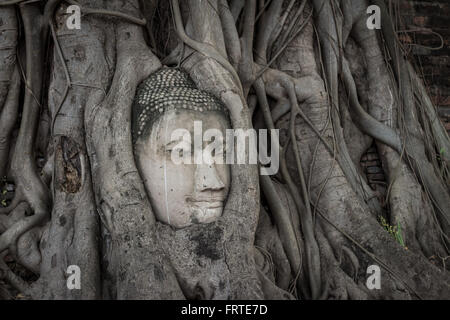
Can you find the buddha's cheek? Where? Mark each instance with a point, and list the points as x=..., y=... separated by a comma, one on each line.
x=177, y=185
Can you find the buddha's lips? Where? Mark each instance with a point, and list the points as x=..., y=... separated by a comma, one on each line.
x=209, y=203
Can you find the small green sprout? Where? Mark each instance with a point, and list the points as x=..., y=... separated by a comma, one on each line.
x=395, y=231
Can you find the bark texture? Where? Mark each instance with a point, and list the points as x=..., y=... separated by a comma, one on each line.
x=310, y=68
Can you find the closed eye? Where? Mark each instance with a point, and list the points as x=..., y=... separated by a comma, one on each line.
x=180, y=144
x=179, y=147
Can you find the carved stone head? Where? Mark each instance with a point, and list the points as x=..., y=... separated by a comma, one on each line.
x=189, y=192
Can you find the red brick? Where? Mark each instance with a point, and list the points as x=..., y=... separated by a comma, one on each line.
x=371, y=163
x=372, y=156
x=420, y=21
x=447, y=126
x=376, y=177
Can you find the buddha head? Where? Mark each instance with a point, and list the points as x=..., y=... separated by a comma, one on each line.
x=187, y=192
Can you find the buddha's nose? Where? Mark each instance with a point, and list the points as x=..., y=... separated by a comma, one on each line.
x=207, y=178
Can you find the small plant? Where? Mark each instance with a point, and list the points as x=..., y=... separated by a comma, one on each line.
x=395, y=231
x=4, y=191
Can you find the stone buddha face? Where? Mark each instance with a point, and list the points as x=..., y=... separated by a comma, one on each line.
x=184, y=193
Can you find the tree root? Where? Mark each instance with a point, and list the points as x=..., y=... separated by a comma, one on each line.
x=126, y=17
x=10, y=277
x=203, y=48
x=250, y=61
x=29, y=186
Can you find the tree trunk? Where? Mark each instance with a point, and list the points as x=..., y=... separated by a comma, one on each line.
x=311, y=69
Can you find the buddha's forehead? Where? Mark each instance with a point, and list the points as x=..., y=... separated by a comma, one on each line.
x=186, y=118
x=189, y=120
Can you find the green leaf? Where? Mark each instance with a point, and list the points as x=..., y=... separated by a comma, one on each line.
x=399, y=235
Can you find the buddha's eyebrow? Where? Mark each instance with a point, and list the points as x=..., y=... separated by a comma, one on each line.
x=171, y=143
x=216, y=138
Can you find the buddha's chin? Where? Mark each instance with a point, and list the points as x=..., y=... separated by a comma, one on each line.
x=199, y=213
x=206, y=213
